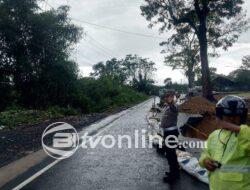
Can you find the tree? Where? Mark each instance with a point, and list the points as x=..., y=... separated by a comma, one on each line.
x=133, y=70
x=183, y=53
x=99, y=70
x=138, y=68
x=35, y=49
x=112, y=68
x=168, y=82
x=219, y=21
x=246, y=63
x=242, y=79
x=139, y=72
x=213, y=74
x=36, y=71
x=242, y=75
x=53, y=38
x=15, y=35
x=130, y=63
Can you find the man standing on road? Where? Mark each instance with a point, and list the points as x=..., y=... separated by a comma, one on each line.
x=227, y=155
x=170, y=129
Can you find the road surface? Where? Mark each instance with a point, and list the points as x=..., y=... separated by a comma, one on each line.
x=115, y=168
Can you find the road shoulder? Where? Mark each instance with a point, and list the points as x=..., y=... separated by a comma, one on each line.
x=19, y=167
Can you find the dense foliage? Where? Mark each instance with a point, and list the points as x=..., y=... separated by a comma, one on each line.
x=241, y=76
x=237, y=80
x=34, y=61
x=132, y=70
x=96, y=95
x=36, y=71
x=215, y=24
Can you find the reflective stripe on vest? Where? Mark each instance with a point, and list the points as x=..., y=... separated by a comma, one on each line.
x=235, y=168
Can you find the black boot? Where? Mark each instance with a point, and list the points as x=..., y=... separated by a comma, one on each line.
x=171, y=177
x=167, y=173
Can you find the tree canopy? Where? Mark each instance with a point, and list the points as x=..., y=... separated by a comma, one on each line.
x=246, y=62
x=183, y=53
x=241, y=76
x=35, y=54
x=215, y=23
x=133, y=70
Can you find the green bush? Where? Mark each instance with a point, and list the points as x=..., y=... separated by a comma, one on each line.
x=103, y=93
x=14, y=117
x=56, y=111
x=91, y=95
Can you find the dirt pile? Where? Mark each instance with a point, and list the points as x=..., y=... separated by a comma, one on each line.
x=202, y=129
x=197, y=105
x=200, y=105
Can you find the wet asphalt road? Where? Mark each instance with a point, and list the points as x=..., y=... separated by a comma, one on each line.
x=115, y=168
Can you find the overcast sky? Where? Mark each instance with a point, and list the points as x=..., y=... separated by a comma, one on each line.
x=101, y=44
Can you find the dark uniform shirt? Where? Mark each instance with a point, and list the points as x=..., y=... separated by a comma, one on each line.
x=169, y=118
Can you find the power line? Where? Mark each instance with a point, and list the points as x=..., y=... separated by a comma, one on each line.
x=111, y=28
x=118, y=30
x=98, y=49
x=96, y=44
x=228, y=66
x=47, y=3
x=232, y=66
x=111, y=52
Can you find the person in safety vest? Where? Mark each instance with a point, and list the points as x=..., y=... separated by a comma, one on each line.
x=227, y=154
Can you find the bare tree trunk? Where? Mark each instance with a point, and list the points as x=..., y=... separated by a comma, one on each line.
x=206, y=82
x=190, y=76
x=190, y=72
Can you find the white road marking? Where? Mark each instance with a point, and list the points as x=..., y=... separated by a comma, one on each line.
x=36, y=175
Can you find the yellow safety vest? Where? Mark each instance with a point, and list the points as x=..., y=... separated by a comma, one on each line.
x=232, y=150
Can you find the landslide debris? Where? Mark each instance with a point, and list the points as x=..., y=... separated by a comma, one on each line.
x=200, y=105
x=197, y=105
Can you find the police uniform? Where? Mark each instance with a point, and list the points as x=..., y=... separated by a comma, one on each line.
x=169, y=126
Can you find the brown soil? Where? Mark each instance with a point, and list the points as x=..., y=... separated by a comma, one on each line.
x=197, y=105
x=203, y=129
x=200, y=105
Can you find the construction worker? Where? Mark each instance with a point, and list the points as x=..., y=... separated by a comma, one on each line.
x=227, y=155
x=170, y=129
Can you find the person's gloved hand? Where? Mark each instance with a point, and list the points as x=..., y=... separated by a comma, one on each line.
x=209, y=164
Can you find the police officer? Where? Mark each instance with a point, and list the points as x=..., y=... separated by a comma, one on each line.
x=169, y=126
x=227, y=155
